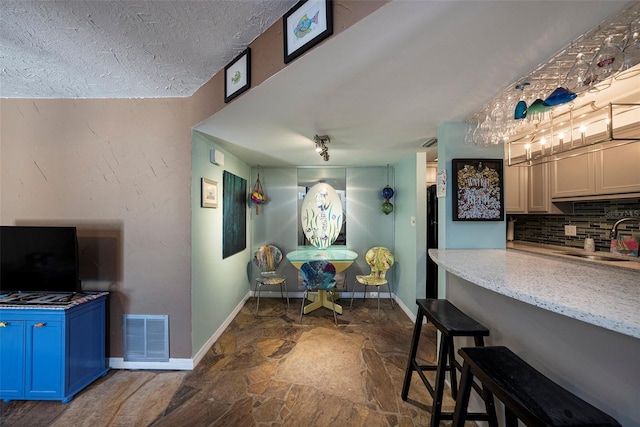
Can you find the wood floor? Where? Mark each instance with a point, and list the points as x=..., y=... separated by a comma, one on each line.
x=266, y=371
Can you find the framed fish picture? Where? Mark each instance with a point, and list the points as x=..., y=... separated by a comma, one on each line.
x=478, y=194
x=305, y=25
x=237, y=75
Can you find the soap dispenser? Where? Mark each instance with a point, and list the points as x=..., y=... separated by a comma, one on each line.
x=589, y=244
x=510, y=229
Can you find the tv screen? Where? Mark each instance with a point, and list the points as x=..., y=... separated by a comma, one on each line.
x=39, y=259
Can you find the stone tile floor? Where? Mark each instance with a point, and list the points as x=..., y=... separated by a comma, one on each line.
x=269, y=370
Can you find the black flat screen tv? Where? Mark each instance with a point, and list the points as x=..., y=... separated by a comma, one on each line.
x=43, y=259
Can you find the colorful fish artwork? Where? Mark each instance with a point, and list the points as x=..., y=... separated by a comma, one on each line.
x=321, y=215
x=236, y=77
x=304, y=25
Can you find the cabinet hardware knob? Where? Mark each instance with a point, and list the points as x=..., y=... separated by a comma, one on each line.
x=39, y=325
x=3, y=324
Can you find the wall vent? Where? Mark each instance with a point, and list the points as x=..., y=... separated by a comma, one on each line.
x=146, y=338
x=430, y=142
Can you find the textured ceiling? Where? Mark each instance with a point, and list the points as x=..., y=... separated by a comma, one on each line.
x=379, y=89
x=124, y=49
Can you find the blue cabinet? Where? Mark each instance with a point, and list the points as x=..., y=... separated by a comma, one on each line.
x=51, y=354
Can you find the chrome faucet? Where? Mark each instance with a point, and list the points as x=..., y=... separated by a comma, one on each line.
x=614, y=229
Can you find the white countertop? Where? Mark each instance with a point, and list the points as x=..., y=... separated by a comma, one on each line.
x=602, y=295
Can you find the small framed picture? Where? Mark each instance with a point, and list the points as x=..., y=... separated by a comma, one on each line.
x=209, y=193
x=441, y=183
x=237, y=75
x=477, y=190
x=305, y=25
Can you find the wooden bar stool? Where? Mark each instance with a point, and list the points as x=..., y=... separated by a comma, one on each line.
x=527, y=394
x=451, y=322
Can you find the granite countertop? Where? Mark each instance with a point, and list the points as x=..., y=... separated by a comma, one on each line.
x=75, y=299
x=601, y=295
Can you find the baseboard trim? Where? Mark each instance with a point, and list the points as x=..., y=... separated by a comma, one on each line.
x=404, y=308
x=212, y=340
x=180, y=364
x=171, y=365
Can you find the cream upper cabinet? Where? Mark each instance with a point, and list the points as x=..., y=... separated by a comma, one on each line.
x=539, y=189
x=617, y=170
x=613, y=171
x=515, y=188
x=539, y=200
x=573, y=176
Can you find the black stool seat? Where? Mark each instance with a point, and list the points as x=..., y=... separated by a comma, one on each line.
x=527, y=394
x=451, y=322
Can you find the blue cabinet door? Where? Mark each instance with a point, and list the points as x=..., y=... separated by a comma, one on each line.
x=12, y=357
x=45, y=345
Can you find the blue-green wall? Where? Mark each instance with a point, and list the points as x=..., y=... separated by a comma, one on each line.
x=217, y=285
x=461, y=234
x=464, y=234
x=411, y=240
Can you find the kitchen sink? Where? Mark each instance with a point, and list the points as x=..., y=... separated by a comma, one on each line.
x=593, y=257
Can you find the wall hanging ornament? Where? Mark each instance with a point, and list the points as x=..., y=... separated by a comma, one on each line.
x=387, y=193
x=257, y=195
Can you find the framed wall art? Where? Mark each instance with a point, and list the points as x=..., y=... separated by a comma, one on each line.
x=305, y=25
x=477, y=190
x=234, y=214
x=237, y=75
x=209, y=193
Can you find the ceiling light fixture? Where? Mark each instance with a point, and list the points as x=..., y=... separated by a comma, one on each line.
x=321, y=146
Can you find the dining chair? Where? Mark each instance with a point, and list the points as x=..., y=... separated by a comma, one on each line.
x=380, y=259
x=318, y=276
x=267, y=259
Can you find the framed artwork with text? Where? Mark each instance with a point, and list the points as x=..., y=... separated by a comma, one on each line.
x=477, y=190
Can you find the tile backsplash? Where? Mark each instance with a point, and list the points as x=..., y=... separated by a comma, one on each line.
x=592, y=219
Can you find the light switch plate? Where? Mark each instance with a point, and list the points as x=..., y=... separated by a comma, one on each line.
x=570, y=230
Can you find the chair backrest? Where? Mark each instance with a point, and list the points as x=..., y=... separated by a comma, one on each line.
x=380, y=259
x=318, y=274
x=267, y=258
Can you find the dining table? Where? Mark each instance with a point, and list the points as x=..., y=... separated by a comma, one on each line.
x=340, y=257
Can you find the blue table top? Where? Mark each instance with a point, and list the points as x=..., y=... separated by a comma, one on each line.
x=306, y=253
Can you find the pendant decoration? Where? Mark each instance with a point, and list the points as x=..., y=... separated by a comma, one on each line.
x=387, y=193
x=257, y=195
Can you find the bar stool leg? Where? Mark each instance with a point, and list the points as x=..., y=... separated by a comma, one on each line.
x=510, y=419
x=446, y=343
x=412, y=357
x=453, y=372
x=462, y=402
x=487, y=396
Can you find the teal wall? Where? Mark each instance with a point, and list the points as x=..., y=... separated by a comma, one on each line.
x=217, y=285
x=411, y=240
x=462, y=234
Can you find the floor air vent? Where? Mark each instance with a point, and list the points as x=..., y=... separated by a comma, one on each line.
x=146, y=338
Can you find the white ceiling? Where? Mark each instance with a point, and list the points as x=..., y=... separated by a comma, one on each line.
x=378, y=89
